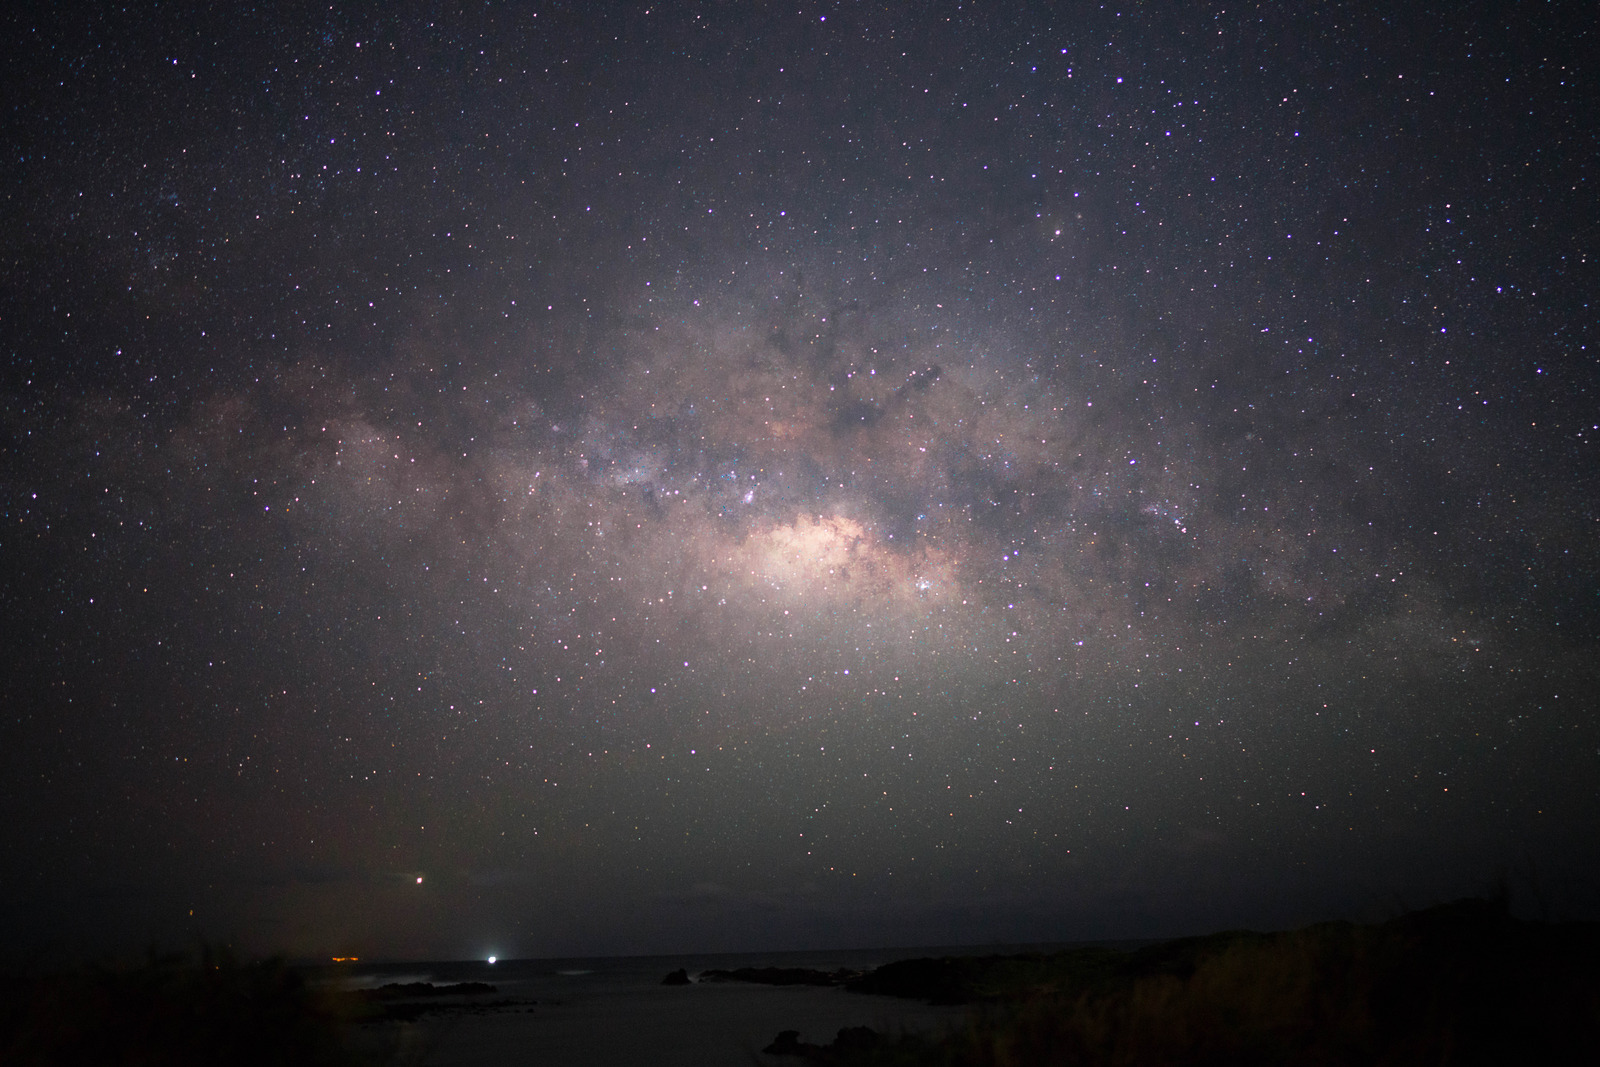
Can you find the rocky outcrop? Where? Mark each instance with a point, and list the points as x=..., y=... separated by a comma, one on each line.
x=850, y=1040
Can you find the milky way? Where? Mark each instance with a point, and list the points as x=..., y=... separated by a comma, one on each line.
x=834, y=497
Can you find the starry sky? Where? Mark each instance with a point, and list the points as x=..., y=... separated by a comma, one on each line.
x=611, y=478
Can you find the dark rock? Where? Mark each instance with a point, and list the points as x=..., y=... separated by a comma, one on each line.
x=788, y=1043
x=947, y=980
x=849, y=1041
x=677, y=977
x=856, y=1039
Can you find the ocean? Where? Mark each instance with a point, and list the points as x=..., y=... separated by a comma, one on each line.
x=615, y=1012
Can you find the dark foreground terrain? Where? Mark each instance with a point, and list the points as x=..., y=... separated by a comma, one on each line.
x=207, y=1008
x=1464, y=983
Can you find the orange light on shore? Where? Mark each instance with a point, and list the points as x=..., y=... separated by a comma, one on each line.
x=346, y=959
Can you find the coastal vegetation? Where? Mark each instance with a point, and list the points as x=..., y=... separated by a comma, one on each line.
x=1459, y=984
x=206, y=1007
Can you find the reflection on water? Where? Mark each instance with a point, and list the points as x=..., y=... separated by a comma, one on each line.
x=522, y=975
x=616, y=1011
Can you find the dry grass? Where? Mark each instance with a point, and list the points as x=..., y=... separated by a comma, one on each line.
x=207, y=1008
x=1458, y=985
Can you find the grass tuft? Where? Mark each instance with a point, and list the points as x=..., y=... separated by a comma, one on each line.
x=202, y=1008
x=1460, y=984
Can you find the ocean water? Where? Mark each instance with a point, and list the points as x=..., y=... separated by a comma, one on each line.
x=614, y=1012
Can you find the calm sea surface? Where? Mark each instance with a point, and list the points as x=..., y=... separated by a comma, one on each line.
x=614, y=1012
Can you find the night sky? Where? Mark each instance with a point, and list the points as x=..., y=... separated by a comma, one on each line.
x=592, y=478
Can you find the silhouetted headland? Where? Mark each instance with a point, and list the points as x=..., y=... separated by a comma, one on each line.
x=1462, y=983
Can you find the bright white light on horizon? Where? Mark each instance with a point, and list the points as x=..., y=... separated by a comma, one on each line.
x=492, y=958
